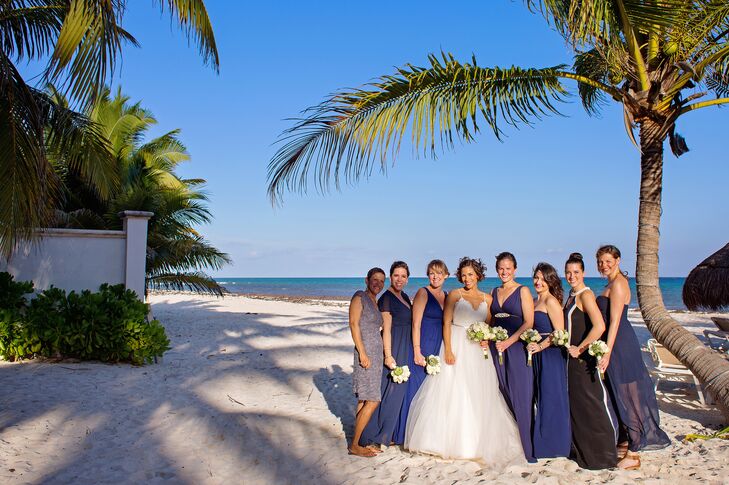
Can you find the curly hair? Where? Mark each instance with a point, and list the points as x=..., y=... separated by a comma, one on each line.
x=478, y=267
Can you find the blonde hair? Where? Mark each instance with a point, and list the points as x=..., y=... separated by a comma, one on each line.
x=439, y=266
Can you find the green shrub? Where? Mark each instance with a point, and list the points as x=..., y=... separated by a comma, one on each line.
x=109, y=325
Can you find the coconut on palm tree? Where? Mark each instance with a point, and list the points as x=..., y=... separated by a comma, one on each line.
x=78, y=44
x=660, y=59
x=176, y=253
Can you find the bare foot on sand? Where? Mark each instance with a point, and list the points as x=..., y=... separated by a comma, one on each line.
x=362, y=451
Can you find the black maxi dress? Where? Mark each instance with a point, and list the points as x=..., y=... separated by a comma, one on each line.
x=593, y=421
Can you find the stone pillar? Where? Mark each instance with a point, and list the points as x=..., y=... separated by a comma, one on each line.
x=135, y=228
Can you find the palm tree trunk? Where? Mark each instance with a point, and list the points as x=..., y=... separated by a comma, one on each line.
x=711, y=369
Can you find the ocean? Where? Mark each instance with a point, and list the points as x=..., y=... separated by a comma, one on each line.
x=345, y=287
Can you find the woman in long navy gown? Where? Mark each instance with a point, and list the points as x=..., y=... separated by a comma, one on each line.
x=551, y=434
x=387, y=425
x=593, y=421
x=427, y=327
x=512, y=308
x=629, y=382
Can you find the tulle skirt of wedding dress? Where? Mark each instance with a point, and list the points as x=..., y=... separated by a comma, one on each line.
x=460, y=413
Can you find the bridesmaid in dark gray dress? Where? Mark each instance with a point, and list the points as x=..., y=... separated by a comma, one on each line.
x=365, y=321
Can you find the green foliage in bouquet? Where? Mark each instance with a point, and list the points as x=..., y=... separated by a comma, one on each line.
x=109, y=325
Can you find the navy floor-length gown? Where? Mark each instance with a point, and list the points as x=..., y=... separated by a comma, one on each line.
x=552, y=434
x=431, y=338
x=631, y=387
x=516, y=378
x=387, y=424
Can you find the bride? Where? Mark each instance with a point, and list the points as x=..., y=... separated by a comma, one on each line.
x=461, y=413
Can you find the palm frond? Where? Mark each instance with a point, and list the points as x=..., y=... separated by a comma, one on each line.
x=183, y=252
x=30, y=188
x=87, y=47
x=28, y=29
x=718, y=78
x=77, y=142
x=590, y=22
x=349, y=134
x=194, y=21
x=197, y=282
x=593, y=65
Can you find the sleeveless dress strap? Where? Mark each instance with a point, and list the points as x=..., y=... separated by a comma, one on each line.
x=581, y=291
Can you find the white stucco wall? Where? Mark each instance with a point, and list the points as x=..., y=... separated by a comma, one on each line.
x=71, y=259
x=80, y=259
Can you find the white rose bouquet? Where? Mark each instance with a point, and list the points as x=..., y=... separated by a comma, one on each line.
x=561, y=338
x=500, y=334
x=478, y=332
x=400, y=374
x=597, y=349
x=432, y=365
x=530, y=336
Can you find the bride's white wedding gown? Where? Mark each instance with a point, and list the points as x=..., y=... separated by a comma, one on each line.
x=460, y=413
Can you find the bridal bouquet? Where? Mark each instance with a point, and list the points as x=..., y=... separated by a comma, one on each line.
x=530, y=336
x=500, y=334
x=561, y=338
x=400, y=374
x=597, y=349
x=432, y=365
x=478, y=332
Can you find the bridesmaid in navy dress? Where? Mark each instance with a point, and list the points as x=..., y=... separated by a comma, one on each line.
x=551, y=436
x=594, y=426
x=512, y=308
x=387, y=425
x=629, y=382
x=427, y=327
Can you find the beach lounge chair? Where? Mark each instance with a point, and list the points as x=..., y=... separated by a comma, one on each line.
x=722, y=323
x=720, y=340
x=669, y=368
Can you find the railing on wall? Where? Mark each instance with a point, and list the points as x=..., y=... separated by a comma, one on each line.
x=81, y=259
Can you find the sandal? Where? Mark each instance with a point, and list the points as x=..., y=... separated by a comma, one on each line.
x=630, y=462
x=622, y=450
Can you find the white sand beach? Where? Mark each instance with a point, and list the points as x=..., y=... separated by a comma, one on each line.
x=259, y=391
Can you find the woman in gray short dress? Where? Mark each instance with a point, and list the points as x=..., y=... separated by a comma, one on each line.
x=365, y=321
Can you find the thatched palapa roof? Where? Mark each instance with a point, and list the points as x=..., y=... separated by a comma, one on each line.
x=707, y=285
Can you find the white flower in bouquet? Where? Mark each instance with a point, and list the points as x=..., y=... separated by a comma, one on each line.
x=530, y=336
x=561, y=338
x=478, y=332
x=500, y=334
x=400, y=374
x=598, y=349
x=432, y=365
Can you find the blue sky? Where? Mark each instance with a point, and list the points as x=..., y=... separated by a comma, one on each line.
x=568, y=184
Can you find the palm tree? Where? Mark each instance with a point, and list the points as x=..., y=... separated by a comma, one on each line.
x=78, y=43
x=176, y=252
x=656, y=58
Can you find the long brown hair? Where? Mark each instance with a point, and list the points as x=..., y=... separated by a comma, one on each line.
x=554, y=283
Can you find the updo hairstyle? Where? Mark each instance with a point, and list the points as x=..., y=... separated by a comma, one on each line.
x=575, y=258
x=505, y=255
x=608, y=249
x=399, y=264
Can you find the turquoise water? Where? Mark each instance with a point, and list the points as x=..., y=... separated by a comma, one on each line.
x=345, y=287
